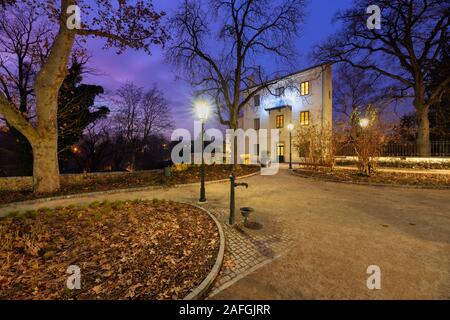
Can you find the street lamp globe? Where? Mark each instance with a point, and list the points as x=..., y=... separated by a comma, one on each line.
x=290, y=126
x=202, y=109
x=364, y=123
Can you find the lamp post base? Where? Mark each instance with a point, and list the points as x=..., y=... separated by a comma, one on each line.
x=202, y=202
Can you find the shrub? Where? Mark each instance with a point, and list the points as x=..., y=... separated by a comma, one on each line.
x=366, y=138
x=315, y=145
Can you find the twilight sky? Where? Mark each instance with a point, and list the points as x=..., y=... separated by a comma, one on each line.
x=112, y=70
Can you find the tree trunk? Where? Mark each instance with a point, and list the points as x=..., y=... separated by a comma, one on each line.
x=423, y=133
x=45, y=165
x=235, y=153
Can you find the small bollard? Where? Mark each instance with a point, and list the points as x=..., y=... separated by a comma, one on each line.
x=233, y=185
x=167, y=172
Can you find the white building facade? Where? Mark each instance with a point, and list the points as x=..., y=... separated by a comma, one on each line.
x=303, y=98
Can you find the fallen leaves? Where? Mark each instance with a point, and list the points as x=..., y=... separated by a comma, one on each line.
x=382, y=177
x=144, y=250
x=190, y=174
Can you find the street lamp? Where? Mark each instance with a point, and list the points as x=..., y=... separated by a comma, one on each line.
x=202, y=109
x=364, y=123
x=290, y=128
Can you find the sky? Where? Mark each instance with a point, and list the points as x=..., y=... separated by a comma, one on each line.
x=112, y=70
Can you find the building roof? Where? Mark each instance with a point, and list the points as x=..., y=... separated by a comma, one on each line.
x=278, y=107
x=288, y=75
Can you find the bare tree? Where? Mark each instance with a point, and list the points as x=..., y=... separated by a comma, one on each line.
x=411, y=38
x=129, y=122
x=122, y=24
x=355, y=88
x=23, y=42
x=155, y=113
x=225, y=63
x=141, y=115
x=23, y=45
x=94, y=149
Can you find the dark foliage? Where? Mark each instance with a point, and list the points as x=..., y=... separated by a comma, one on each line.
x=76, y=110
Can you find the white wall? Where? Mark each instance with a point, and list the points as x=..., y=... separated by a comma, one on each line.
x=320, y=109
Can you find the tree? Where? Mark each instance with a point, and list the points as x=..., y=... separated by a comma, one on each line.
x=129, y=102
x=23, y=45
x=135, y=25
x=355, y=88
x=411, y=38
x=76, y=109
x=440, y=110
x=225, y=62
x=141, y=115
x=95, y=147
x=155, y=113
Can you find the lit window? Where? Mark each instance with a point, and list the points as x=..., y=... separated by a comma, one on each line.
x=304, y=118
x=304, y=88
x=280, y=149
x=280, y=91
x=257, y=100
x=280, y=121
x=256, y=124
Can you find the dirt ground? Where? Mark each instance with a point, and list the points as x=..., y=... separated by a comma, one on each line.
x=340, y=230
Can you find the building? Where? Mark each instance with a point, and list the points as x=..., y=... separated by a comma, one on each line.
x=302, y=98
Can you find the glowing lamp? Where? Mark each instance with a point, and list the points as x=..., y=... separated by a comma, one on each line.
x=202, y=109
x=364, y=123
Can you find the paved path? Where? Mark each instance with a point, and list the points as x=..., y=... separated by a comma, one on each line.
x=335, y=231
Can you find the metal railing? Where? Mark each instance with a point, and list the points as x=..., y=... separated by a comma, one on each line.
x=395, y=149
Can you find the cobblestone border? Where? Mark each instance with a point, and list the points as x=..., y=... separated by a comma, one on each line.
x=292, y=172
x=241, y=276
x=99, y=193
x=246, y=251
x=204, y=286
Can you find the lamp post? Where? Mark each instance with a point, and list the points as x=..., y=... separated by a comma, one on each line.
x=202, y=109
x=290, y=128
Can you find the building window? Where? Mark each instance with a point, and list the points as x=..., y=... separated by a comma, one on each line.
x=280, y=121
x=257, y=100
x=280, y=91
x=304, y=88
x=304, y=118
x=256, y=124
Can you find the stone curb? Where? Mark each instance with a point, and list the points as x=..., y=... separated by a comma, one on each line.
x=99, y=193
x=204, y=286
x=370, y=184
